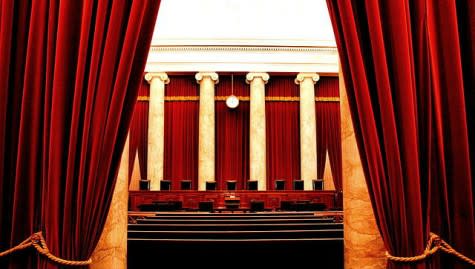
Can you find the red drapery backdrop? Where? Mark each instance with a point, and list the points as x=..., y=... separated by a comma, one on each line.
x=138, y=141
x=329, y=129
x=69, y=81
x=408, y=68
x=181, y=132
x=232, y=134
x=282, y=132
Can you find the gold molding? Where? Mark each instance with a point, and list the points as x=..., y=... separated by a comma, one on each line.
x=182, y=98
x=327, y=99
x=143, y=98
x=282, y=98
x=241, y=98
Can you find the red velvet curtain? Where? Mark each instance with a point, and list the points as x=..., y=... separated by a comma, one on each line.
x=232, y=134
x=282, y=132
x=181, y=132
x=329, y=129
x=69, y=81
x=408, y=68
x=138, y=140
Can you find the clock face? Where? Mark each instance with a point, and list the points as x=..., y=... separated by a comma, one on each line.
x=232, y=101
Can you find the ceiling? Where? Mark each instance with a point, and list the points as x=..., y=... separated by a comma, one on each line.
x=244, y=22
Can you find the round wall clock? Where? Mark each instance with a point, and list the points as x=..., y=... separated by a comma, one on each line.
x=232, y=101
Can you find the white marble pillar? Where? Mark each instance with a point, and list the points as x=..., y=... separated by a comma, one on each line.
x=206, y=147
x=364, y=247
x=308, y=128
x=156, y=133
x=111, y=250
x=257, y=122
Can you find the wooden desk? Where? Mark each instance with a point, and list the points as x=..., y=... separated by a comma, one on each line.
x=272, y=199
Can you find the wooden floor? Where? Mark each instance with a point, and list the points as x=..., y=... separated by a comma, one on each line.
x=205, y=240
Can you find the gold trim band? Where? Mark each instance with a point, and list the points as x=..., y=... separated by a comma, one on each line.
x=182, y=98
x=282, y=98
x=143, y=98
x=241, y=98
x=327, y=99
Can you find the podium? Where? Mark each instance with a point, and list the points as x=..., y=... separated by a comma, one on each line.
x=232, y=202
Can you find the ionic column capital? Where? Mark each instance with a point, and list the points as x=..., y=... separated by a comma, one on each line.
x=253, y=75
x=302, y=76
x=162, y=76
x=212, y=75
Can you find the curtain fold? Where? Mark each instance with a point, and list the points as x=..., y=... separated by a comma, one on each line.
x=232, y=134
x=329, y=129
x=69, y=81
x=138, y=141
x=408, y=69
x=282, y=133
x=181, y=133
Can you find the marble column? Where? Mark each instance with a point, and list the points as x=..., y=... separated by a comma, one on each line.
x=156, y=131
x=364, y=247
x=111, y=250
x=206, y=149
x=257, y=122
x=308, y=128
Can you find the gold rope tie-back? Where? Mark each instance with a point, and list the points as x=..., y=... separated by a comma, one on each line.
x=38, y=242
x=434, y=244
